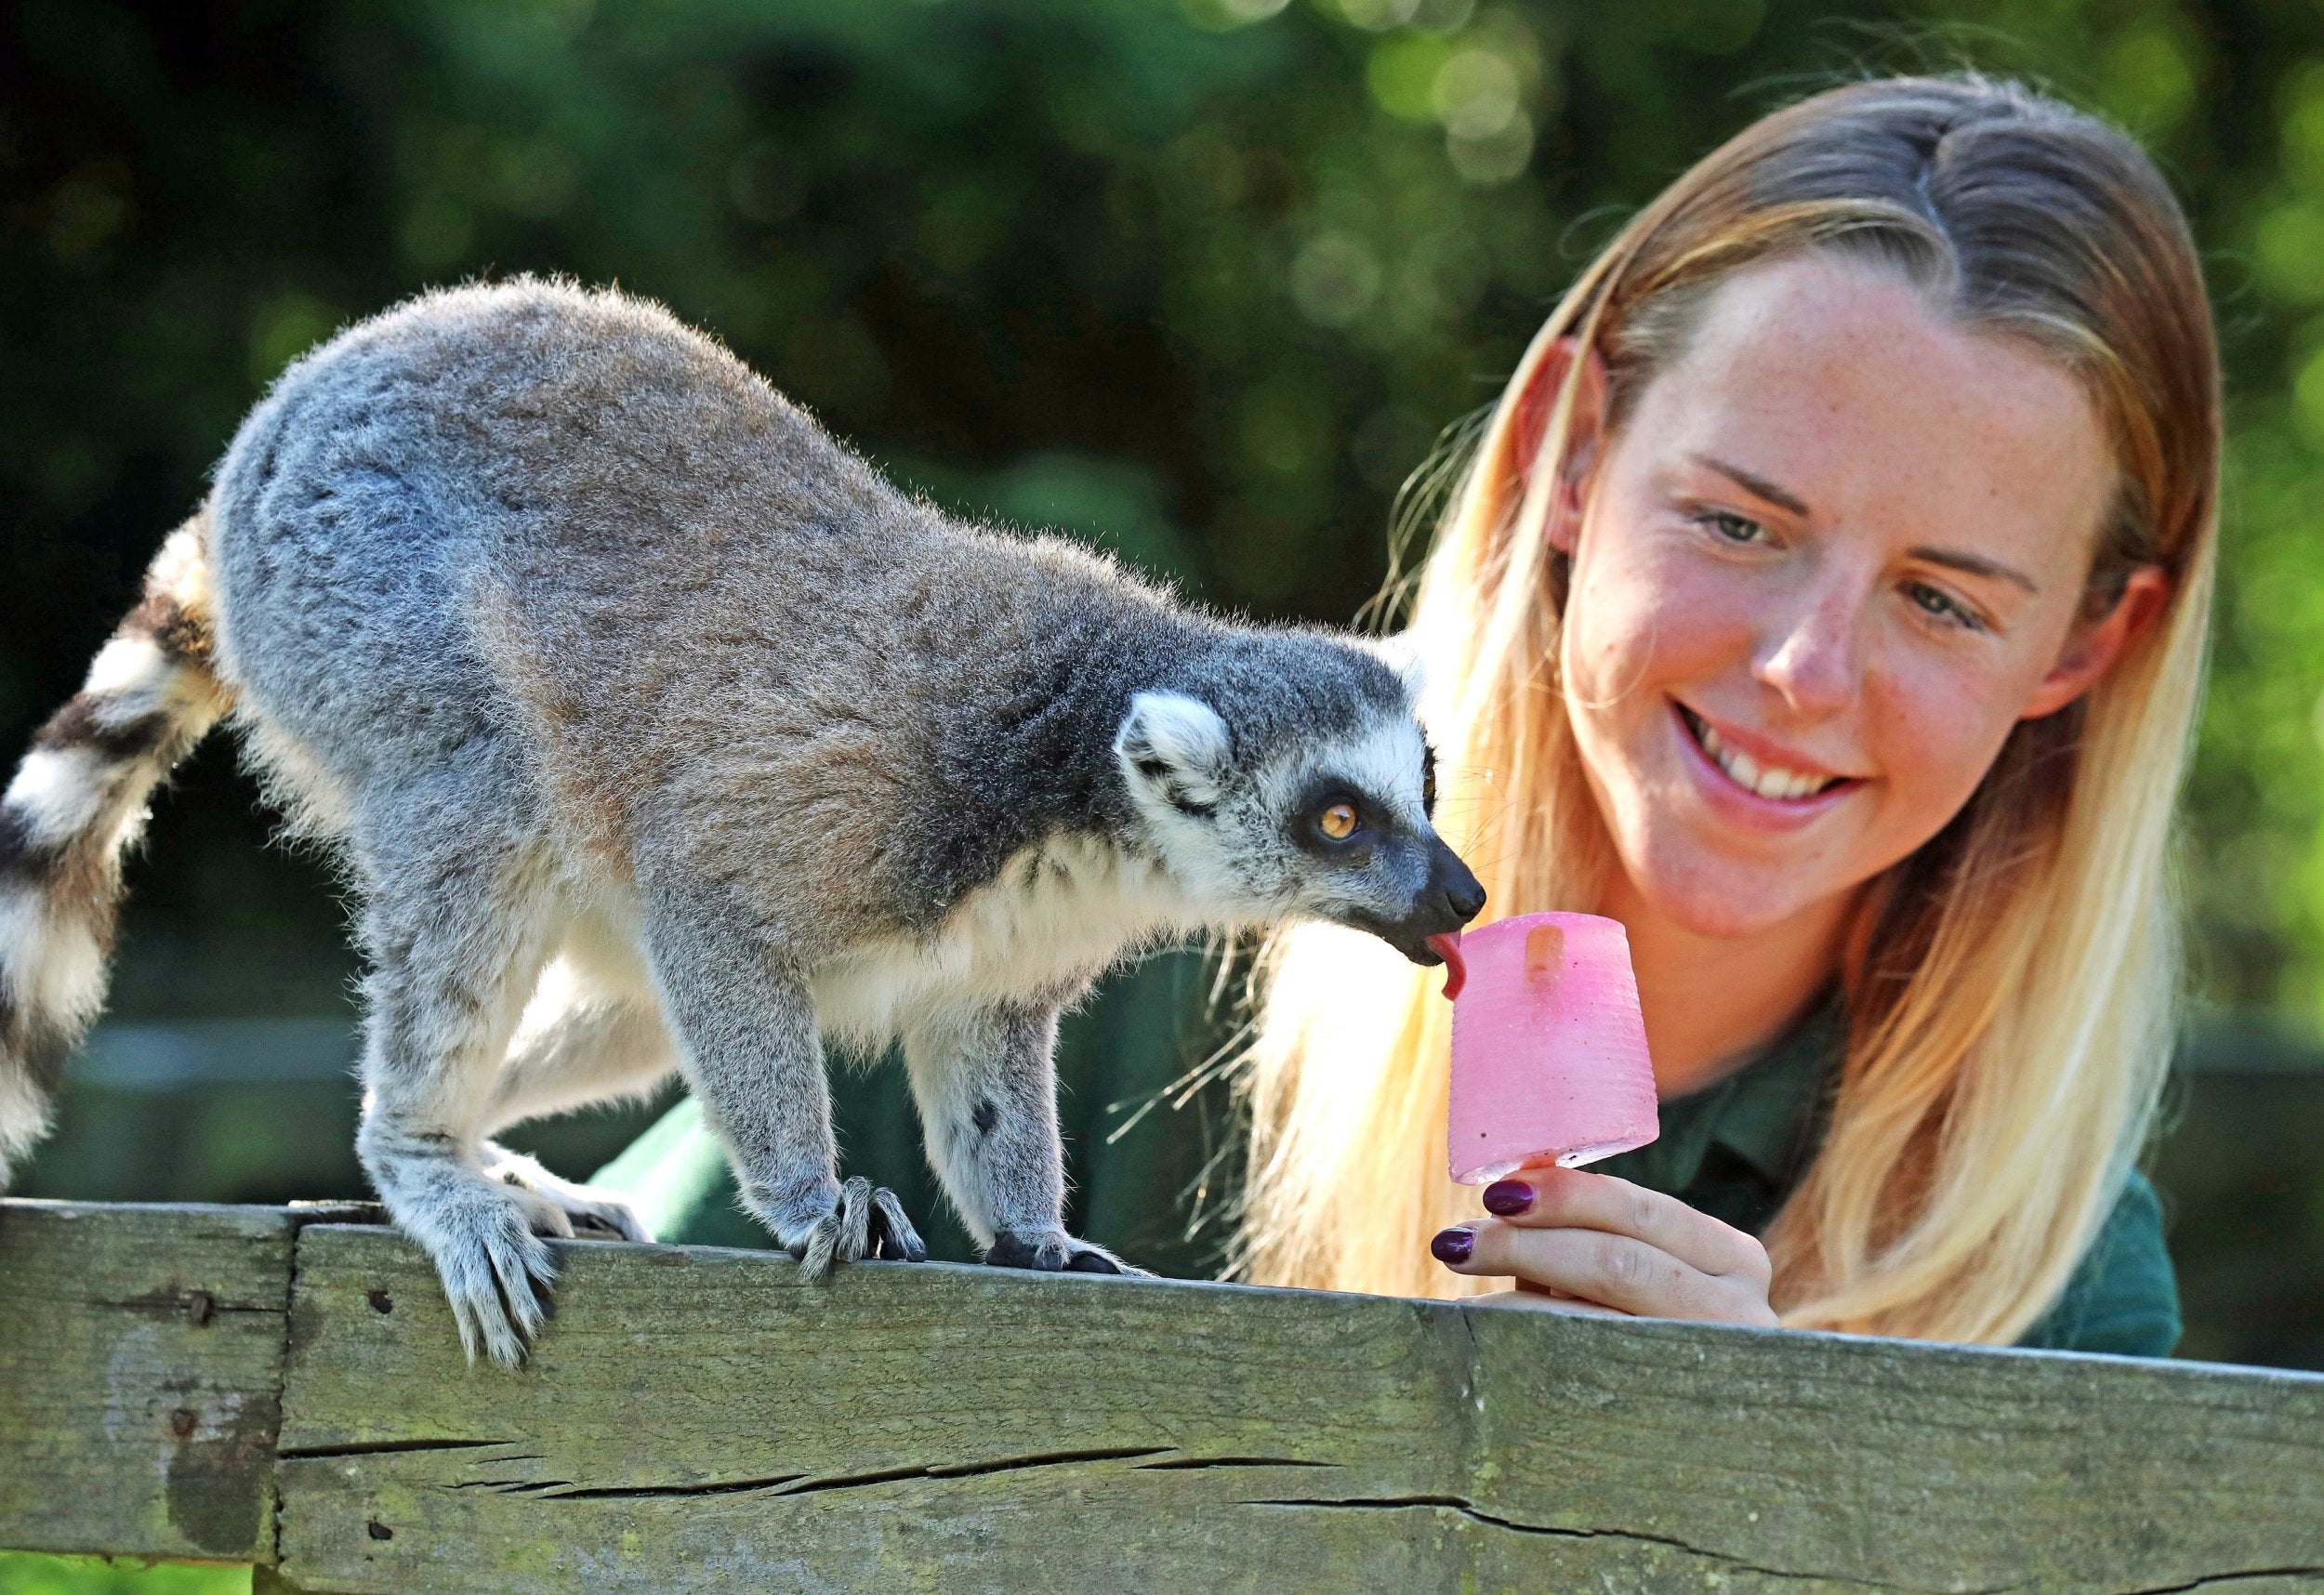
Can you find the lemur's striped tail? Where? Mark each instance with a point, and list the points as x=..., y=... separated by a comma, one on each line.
x=78, y=802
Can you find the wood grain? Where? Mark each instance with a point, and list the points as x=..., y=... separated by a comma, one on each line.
x=140, y=1369
x=700, y=1419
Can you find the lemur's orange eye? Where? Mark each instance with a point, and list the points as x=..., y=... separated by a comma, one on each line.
x=1338, y=822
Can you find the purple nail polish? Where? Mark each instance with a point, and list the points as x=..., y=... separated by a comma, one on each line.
x=1507, y=1197
x=1453, y=1246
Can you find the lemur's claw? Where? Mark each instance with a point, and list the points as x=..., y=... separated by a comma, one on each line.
x=867, y=1222
x=1053, y=1251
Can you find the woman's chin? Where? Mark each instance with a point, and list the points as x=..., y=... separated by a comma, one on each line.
x=1723, y=901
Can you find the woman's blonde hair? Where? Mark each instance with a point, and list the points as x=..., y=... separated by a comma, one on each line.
x=2010, y=987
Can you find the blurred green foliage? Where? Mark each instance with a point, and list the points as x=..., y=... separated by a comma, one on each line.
x=1208, y=278
x=23, y=1574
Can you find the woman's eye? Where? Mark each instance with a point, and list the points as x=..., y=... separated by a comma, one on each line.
x=1939, y=605
x=1729, y=527
x=1338, y=822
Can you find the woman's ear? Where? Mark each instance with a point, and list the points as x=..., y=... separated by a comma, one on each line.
x=1536, y=402
x=2094, y=645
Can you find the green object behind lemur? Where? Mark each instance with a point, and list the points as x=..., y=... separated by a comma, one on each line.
x=1145, y=1029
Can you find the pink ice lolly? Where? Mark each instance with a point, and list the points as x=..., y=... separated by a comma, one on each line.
x=1549, y=1052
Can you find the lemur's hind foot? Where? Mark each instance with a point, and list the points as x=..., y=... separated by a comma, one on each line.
x=866, y=1221
x=559, y=1206
x=1054, y=1251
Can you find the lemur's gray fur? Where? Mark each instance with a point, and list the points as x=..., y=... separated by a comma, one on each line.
x=659, y=733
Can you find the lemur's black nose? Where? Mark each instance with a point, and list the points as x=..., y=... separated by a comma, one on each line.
x=1462, y=892
x=1467, y=900
x=1452, y=884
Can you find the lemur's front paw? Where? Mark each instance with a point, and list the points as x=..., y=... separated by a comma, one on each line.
x=1053, y=1251
x=867, y=1222
x=497, y=1273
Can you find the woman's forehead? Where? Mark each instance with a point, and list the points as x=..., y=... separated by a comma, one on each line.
x=1839, y=382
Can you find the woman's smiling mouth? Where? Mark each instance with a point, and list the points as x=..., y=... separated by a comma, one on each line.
x=1761, y=779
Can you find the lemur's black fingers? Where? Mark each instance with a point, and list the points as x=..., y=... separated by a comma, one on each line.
x=892, y=1232
x=1053, y=1251
x=1012, y=1250
x=1088, y=1259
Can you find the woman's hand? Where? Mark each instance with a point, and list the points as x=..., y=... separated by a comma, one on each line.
x=1593, y=1243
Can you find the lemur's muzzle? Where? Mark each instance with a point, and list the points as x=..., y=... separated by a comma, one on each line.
x=1450, y=899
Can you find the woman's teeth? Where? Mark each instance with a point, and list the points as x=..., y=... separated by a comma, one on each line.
x=1749, y=773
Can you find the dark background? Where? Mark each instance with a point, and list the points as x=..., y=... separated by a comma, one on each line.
x=1203, y=282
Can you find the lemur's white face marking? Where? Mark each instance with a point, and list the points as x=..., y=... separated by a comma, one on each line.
x=1336, y=827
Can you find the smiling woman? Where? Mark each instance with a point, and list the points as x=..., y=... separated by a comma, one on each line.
x=1826, y=600
x=1788, y=675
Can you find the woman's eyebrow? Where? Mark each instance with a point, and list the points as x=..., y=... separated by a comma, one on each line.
x=1975, y=565
x=1755, y=485
x=1971, y=564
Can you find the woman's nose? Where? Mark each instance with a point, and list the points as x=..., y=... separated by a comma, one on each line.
x=1813, y=658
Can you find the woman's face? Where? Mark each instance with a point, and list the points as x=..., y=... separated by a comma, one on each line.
x=1835, y=552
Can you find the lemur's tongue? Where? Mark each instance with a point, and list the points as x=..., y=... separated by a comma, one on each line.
x=1447, y=947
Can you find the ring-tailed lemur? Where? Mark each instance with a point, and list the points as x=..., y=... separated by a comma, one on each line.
x=659, y=733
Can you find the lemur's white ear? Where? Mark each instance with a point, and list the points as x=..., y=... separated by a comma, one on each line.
x=1401, y=652
x=1175, y=747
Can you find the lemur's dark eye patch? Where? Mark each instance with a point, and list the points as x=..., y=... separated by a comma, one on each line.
x=1428, y=780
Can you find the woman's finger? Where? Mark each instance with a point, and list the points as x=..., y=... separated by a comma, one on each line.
x=1614, y=1271
x=1571, y=1199
x=1542, y=1301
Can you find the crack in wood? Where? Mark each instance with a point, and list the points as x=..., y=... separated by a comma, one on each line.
x=385, y=1448
x=508, y=1486
x=1469, y=1509
x=650, y=1492
x=2212, y=1580
x=970, y=1469
x=1187, y=1464
x=783, y=1485
x=1042, y=1459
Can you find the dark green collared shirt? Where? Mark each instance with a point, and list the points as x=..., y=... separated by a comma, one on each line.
x=1734, y=1150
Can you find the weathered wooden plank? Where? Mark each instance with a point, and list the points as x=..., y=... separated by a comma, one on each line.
x=1895, y=1465
x=946, y=1423
x=141, y=1367
x=699, y=1420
